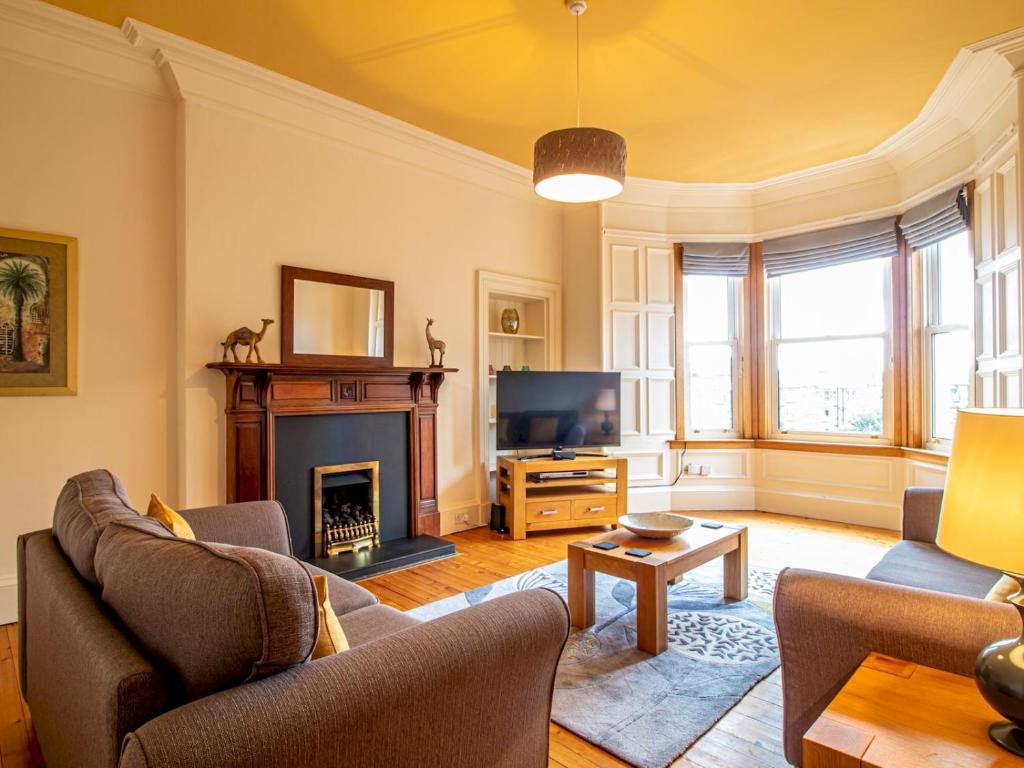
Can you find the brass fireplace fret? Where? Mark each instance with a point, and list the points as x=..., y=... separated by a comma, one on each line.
x=351, y=538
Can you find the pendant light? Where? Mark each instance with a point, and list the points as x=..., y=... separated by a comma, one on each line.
x=579, y=165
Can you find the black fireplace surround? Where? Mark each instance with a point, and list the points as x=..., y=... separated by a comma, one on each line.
x=303, y=442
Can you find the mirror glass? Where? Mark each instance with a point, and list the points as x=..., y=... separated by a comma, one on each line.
x=338, y=320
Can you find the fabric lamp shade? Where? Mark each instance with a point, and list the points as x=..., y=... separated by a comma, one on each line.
x=982, y=517
x=579, y=165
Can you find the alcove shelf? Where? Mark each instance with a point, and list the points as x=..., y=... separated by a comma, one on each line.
x=536, y=344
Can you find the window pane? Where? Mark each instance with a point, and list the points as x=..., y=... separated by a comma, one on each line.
x=710, y=367
x=845, y=300
x=831, y=386
x=956, y=281
x=707, y=307
x=951, y=376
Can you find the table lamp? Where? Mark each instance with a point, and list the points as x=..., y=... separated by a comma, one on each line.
x=607, y=402
x=982, y=520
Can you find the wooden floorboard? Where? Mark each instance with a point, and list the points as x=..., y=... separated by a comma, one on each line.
x=749, y=736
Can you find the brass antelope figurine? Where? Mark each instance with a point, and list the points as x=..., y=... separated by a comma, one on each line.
x=433, y=344
x=246, y=336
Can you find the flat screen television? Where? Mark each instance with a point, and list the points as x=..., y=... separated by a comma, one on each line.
x=558, y=409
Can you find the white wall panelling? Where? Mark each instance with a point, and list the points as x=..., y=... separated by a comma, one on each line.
x=998, y=282
x=639, y=342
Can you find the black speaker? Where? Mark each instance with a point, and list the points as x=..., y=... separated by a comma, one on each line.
x=498, y=518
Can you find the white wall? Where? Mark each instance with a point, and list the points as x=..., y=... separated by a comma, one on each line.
x=260, y=195
x=861, y=490
x=88, y=156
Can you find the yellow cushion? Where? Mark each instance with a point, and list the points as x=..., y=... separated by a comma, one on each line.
x=332, y=638
x=1002, y=590
x=164, y=514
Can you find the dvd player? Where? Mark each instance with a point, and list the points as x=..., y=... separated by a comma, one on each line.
x=542, y=476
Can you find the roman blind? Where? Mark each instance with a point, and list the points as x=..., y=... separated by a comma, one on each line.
x=936, y=219
x=728, y=259
x=829, y=247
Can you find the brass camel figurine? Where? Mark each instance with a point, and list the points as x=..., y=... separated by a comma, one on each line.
x=248, y=337
x=434, y=344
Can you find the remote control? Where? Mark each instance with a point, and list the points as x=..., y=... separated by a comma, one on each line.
x=606, y=545
x=711, y=525
x=638, y=552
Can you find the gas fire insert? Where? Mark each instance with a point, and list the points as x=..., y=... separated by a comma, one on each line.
x=346, y=507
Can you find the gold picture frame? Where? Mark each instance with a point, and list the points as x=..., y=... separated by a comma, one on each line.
x=38, y=314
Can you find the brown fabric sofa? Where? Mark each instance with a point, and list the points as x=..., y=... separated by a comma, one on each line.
x=918, y=604
x=469, y=689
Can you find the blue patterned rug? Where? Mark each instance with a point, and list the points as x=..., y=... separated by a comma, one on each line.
x=645, y=709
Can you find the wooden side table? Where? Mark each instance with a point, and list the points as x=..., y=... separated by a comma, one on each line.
x=896, y=714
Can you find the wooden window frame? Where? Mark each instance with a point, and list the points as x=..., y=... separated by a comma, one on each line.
x=736, y=325
x=889, y=389
x=741, y=368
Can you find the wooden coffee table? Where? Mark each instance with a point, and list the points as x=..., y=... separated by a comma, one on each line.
x=669, y=559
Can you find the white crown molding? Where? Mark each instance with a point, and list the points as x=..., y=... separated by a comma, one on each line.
x=213, y=78
x=41, y=35
x=1005, y=143
x=979, y=72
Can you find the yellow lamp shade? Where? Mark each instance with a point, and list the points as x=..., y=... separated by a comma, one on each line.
x=982, y=517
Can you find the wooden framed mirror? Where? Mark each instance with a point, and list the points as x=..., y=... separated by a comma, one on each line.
x=333, y=319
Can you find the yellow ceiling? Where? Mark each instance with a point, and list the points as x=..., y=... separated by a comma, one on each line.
x=703, y=90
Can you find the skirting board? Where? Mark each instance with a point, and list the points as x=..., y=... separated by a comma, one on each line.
x=840, y=509
x=8, y=599
x=683, y=498
x=875, y=514
x=476, y=515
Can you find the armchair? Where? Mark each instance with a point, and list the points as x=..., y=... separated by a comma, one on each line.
x=918, y=604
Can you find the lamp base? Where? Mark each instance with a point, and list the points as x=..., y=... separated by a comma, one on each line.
x=1000, y=676
x=1008, y=736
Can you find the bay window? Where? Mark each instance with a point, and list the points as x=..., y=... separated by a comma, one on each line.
x=830, y=350
x=712, y=355
x=829, y=332
x=947, y=348
x=713, y=277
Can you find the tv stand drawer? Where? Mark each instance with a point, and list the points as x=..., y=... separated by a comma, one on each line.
x=548, y=511
x=586, y=509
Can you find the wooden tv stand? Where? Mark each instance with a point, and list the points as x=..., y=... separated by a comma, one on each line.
x=551, y=505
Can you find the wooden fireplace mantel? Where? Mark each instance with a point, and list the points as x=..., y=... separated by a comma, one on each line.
x=257, y=393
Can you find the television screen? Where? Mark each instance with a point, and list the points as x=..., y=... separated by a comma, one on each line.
x=557, y=409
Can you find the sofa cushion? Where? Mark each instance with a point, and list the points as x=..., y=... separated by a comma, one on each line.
x=159, y=511
x=373, y=623
x=345, y=596
x=86, y=505
x=916, y=564
x=213, y=614
x=331, y=639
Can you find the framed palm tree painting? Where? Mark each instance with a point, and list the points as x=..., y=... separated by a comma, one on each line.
x=38, y=313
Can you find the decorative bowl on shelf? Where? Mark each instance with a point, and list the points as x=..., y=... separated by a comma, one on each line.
x=655, y=525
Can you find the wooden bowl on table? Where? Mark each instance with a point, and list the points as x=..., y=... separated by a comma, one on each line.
x=655, y=525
